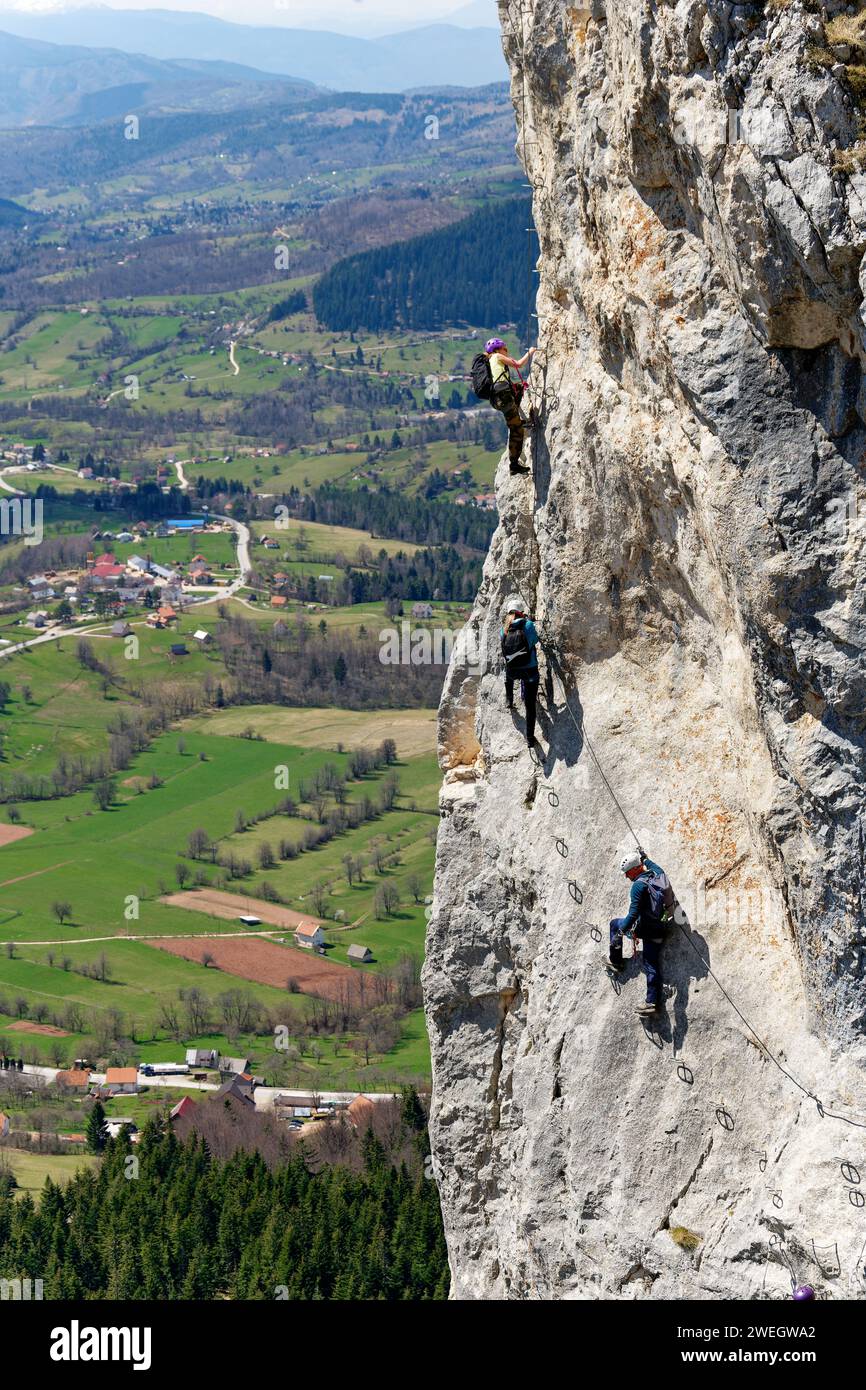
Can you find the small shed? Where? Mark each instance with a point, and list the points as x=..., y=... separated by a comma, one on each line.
x=360, y=953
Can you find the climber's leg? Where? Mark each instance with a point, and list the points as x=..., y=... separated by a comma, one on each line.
x=652, y=964
x=509, y=692
x=529, y=690
x=615, y=957
x=516, y=433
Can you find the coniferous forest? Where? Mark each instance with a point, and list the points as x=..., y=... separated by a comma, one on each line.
x=187, y=1224
x=473, y=272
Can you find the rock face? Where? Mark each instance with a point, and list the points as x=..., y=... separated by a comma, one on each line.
x=692, y=548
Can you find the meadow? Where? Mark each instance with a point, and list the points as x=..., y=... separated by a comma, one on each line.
x=112, y=867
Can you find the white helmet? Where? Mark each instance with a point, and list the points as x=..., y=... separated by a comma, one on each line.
x=515, y=606
x=631, y=861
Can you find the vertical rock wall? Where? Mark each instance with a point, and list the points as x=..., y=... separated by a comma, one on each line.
x=691, y=545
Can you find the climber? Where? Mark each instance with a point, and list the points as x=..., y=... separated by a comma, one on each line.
x=492, y=381
x=643, y=922
x=519, y=640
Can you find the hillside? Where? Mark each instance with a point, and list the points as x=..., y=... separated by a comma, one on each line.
x=50, y=84
x=417, y=57
x=474, y=272
x=690, y=550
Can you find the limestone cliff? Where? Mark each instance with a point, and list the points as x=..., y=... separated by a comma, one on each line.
x=691, y=546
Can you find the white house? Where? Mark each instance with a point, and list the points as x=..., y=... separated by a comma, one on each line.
x=115, y=1126
x=202, y=1056
x=309, y=934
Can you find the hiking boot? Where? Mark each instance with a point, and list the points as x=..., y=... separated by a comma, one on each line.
x=518, y=468
x=649, y=1011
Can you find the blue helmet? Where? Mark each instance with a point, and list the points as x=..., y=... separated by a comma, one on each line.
x=494, y=345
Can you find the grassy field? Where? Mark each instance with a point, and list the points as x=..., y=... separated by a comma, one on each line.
x=31, y=1169
x=113, y=866
x=414, y=731
x=300, y=540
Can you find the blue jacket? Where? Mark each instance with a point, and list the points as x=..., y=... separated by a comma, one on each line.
x=532, y=639
x=640, y=904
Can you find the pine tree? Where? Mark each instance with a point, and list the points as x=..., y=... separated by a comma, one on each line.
x=96, y=1133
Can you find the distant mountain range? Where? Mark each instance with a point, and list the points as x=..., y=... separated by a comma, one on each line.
x=57, y=84
x=431, y=56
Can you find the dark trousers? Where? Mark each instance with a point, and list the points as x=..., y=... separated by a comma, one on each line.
x=529, y=690
x=508, y=404
x=652, y=959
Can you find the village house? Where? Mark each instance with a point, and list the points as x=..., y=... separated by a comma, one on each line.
x=310, y=935
x=233, y=1066
x=236, y=1091
x=121, y=629
x=183, y=1107
x=360, y=953
x=422, y=610
x=202, y=637
x=105, y=571
x=203, y=1057
x=117, y=1124
x=162, y=616
x=122, y=1080
x=39, y=587
x=168, y=576
x=360, y=1112
x=76, y=1080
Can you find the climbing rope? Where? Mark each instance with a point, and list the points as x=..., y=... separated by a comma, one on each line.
x=581, y=729
x=822, y=1109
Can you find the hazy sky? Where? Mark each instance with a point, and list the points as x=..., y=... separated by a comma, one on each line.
x=347, y=16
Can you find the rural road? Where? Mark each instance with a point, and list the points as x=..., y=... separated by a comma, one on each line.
x=7, y=487
x=242, y=537
x=153, y=936
x=232, y=358
x=181, y=476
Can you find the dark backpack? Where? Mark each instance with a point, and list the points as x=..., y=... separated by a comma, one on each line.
x=482, y=377
x=661, y=897
x=515, y=646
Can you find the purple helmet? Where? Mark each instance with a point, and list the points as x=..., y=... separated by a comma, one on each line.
x=494, y=345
